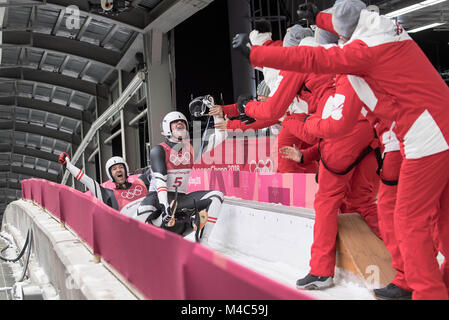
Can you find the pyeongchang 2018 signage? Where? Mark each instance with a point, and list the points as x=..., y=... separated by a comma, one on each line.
x=240, y=151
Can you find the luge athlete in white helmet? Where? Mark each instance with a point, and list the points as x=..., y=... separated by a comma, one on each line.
x=125, y=197
x=171, y=164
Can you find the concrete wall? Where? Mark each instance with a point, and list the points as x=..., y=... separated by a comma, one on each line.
x=265, y=231
x=70, y=270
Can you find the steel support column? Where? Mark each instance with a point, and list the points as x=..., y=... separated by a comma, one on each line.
x=158, y=85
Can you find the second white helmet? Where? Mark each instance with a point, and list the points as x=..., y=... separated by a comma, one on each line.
x=168, y=119
x=115, y=160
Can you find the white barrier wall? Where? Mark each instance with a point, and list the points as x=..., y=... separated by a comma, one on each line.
x=284, y=235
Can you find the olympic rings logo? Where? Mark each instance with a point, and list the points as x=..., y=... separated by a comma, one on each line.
x=177, y=160
x=132, y=193
x=261, y=166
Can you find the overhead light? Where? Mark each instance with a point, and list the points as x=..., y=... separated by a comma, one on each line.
x=433, y=25
x=414, y=7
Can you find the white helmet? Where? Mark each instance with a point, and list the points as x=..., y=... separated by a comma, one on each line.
x=115, y=160
x=168, y=119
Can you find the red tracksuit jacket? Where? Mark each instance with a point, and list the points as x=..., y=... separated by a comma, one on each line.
x=390, y=62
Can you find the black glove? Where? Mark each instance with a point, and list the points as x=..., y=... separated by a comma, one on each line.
x=262, y=26
x=245, y=119
x=242, y=100
x=241, y=43
x=167, y=214
x=308, y=12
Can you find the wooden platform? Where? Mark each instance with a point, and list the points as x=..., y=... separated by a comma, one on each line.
x=361, y=252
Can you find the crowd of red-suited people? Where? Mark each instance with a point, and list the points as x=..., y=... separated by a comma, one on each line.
x=358, y=103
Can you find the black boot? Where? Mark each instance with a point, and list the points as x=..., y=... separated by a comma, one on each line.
x=311, y=282
x=392, y=292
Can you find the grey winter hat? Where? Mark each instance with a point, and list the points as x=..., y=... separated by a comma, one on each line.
x=295, y=34
x=262, y=89
x=345, y=16
x=325, y=37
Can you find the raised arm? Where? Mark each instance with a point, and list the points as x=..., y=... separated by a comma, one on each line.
x=354, y=58
x=79, y=175
x=287, y=87
x=256, y=125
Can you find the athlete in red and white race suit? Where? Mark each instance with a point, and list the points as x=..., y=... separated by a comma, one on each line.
x=347, y=180
x=125, y=196
x=171, y=164
x=387, y=60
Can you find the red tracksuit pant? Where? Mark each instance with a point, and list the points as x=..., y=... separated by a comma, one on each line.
x=385, y=208
x=443, y=234
x=332, y=191
x=423, y=201
x=362, y=193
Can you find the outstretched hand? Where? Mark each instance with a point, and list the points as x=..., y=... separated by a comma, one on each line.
x=216, y=110
x=291, y=153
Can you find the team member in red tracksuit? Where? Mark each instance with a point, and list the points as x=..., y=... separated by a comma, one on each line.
x=291, y=96
x=391, y=165
x=284, y=97
x=292, y=88
x=347, y=177
x=284, y=138
x=261, y=36
x=381, y=52
x=356, y=190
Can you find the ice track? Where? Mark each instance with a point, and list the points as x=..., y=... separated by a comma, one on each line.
x=275, y=240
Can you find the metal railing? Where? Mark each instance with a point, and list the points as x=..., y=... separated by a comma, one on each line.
x=117, y=106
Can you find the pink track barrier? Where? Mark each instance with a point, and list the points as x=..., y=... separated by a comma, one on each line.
x=290, y=189
x=230, y=280
x=160, y=264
